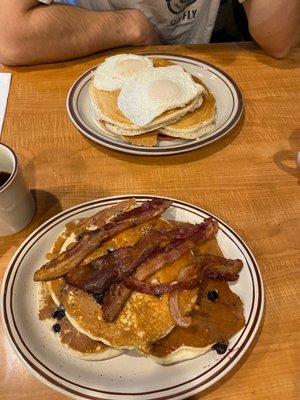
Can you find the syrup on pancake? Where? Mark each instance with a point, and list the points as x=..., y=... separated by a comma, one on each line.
x=75, y=341
x=144, y=319
x=145, y=322
x=213, y=321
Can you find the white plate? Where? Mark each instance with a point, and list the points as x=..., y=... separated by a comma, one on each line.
x=228, y=98
x=124, y=377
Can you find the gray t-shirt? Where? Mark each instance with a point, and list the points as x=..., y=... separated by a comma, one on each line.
x=177, y=21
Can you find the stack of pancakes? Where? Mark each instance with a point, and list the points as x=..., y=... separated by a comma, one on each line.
x=184, y=106
x=145, y=324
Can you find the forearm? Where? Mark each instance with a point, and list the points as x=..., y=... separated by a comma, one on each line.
x=274, y=24
x=58, y=32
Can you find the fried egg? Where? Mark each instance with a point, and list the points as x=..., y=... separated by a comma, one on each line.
x=150, y=95
x=119, y=69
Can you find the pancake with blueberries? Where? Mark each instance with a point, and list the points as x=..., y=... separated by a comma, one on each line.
x=143, y=320
x=69, y=337
x=206, y=313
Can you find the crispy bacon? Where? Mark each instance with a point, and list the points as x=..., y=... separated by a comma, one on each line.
x=106, y=215
x=191, y=235
x=160, y=288
x=220, y=268
x=214, y=268
x=91, y=240
x=195, y=234
x=114, y=301
x=97, y=276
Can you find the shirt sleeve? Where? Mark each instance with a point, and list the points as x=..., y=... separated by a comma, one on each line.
x=45, y=1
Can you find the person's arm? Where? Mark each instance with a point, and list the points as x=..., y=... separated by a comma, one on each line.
x=274, y=24
x=32, y=33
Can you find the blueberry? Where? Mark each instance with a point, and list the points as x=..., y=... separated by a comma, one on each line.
x=220, y=347
x=99, y=297
x=79, y=236
x=56, y=328
x=213, y=295
x=59, y=313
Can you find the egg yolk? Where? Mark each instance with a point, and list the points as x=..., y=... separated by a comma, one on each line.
x=128, y=67
x=163, y=90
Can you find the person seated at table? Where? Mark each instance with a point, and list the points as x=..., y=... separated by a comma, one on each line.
x=32, y=32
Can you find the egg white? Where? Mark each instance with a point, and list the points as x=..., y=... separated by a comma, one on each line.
x=119, y=69
x=151, y=94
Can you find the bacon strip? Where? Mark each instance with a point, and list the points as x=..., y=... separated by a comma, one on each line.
x=220, y=268
x=160, y=288
x=215, y=268
x=106, y=215
x=118, y=293
x=91, y=240
x=97, y=276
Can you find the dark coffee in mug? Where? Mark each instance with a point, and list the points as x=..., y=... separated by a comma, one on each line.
x=4, y=177
x=17, y=206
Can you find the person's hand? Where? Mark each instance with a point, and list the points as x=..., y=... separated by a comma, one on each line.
x=140, y=29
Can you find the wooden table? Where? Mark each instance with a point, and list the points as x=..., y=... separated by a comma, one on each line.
x=249, y=179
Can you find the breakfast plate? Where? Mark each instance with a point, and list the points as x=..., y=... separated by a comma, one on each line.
x=126, y=376
x=229, y=104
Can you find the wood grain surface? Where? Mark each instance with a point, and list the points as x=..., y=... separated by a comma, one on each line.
x=249, y=179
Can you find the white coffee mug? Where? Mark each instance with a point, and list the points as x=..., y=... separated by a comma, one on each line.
x=17, y=206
